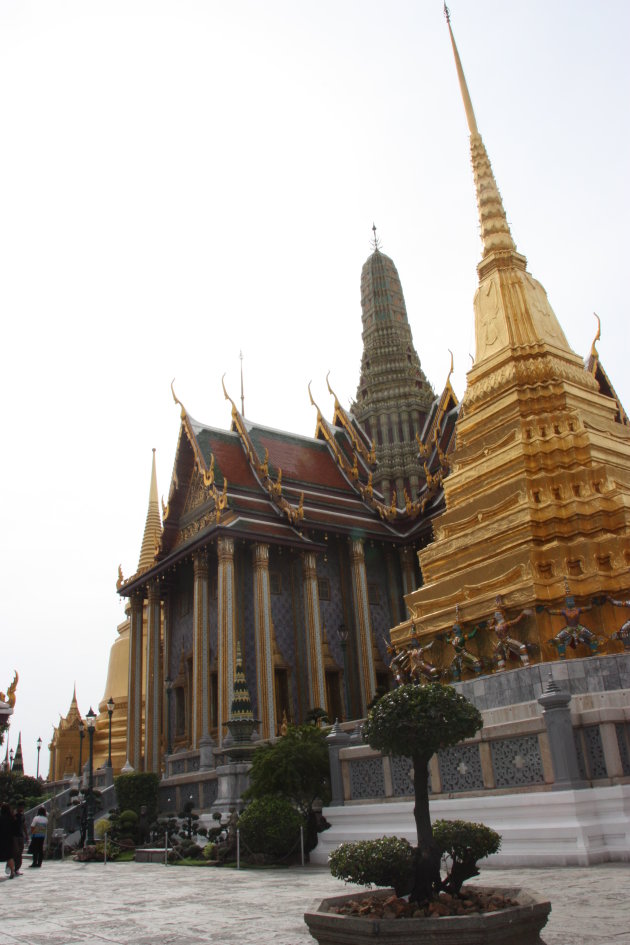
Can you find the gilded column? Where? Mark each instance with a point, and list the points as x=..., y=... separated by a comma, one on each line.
x=264, y=641
x=315, y=659
x=153, y=685
x=226, y=604
x=134, y=695
x=201, y=650
x=367, y=676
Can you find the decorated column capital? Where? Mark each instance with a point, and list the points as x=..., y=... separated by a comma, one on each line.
x=200, y=562
x=225, y=548
x=261, y=556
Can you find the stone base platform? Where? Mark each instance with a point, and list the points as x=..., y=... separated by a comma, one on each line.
x=544, y=828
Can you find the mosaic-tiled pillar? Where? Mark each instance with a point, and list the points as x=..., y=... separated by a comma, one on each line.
x=315, y=659
x=201, y=650
x=264, y=641
x=226, y=604
x=367, y=676
x=153, y=685
x=134, y=689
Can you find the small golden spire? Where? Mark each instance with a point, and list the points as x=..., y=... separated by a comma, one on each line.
x=597, y=336
x=153, y=524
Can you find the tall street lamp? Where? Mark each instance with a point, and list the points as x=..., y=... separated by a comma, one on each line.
x=90, y=718
x=39, y=748
x=110, y=712
x=342, y=633
x=81, y=737
x=168, y=682
x=11, y=755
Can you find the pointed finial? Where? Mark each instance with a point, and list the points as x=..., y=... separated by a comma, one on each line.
x=376, y=243
x=552, y=685
x=597, y=336
x=447, y=14
x=240, y=354
x=452, y=368
x=177, y=400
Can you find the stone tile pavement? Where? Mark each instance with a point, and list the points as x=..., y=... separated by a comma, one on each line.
x=148, y=904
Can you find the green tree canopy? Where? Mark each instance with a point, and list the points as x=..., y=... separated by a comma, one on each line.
x=416, y=721
x=296, y=767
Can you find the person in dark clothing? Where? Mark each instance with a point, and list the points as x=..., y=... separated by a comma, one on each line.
x=19, y=835
x=6, y=839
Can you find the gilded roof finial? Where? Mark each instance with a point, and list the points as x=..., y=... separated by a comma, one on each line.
x=452, y=368
x=597, y=336
x=376, y=243
x=227, y=397
x=177, y=400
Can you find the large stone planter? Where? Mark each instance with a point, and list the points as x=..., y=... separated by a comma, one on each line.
x=519, y=925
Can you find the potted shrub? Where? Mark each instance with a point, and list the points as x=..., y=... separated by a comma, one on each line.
x=417, y=721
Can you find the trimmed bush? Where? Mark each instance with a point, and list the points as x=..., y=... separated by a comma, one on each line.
x=210, y=851
x=464, y=843
x=270, y=826
x=384, y=862
x=134, y=791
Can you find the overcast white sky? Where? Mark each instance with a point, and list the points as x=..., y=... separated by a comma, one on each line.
x=180, y=180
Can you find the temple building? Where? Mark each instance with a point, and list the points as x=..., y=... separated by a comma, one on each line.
x=299, y=549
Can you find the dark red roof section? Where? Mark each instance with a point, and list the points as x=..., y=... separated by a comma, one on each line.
x=301, y=460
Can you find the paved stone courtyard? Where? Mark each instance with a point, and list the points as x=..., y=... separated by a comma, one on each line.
x=145, y=904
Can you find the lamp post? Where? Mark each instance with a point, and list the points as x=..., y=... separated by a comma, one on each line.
x=11, y=754
x=81, y=737
x=39, y=748
x=342, y=633
x=90, y=718
x=110, y=712
x=169, y=692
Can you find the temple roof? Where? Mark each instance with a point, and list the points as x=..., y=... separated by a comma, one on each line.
x=260, y=483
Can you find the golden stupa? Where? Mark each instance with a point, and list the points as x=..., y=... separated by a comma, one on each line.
x=537, y=503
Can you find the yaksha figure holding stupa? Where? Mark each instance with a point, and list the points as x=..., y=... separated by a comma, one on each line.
x=506, y=645
x=623, y=633
x=463, y=658
x=573, y=632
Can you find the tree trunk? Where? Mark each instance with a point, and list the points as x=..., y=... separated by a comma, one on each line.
x=427, y=857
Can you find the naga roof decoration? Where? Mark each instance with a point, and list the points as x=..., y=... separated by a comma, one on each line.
x=261, y=469
x=594, y=367
x=286, y=488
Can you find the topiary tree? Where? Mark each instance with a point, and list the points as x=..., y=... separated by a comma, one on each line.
x=464, y=843
x=384, y=862
x=295, y=767
x=138, y=790
x=417, y=721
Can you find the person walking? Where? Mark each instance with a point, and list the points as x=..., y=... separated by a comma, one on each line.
x=6, y=839
x=39, y=825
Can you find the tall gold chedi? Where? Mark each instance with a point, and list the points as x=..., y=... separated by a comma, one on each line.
x=539, y=490
x=116, y=686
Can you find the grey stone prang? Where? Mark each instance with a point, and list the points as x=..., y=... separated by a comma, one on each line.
x=557, y=718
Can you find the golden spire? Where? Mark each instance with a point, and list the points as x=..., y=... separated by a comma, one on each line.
x=153, y=524
x=495, y=232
